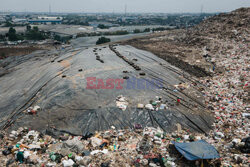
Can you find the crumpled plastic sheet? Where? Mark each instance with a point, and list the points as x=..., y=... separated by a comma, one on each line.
x=58, y=86
x=197, y=150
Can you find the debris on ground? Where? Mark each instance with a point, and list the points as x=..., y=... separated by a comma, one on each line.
x=121, y=102
x=226, y=96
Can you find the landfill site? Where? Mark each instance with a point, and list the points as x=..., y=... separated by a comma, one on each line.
x=165, y=99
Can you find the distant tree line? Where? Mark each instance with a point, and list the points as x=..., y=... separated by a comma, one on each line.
x=35, y=34
x=136, y=31
x=9, y=24
x=121, y=32
x=30, y=34
x=102, y=26
x=160, y=29
x=116, y=33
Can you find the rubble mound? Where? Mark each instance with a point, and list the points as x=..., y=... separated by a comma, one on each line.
x=233, y=25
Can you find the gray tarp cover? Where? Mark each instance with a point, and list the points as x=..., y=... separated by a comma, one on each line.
x=197, y=150
x=55, y=82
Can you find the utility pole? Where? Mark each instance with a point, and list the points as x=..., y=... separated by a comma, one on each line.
x=201, y=9
x=49, y=9
x=126, y=10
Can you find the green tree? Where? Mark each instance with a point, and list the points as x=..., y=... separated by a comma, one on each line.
x=160, y=29
x=57, y=37
x=35, y=34
x=102, y=26
x=35, y=29
x=102, y=40
x=2, y=37
x=8, y=24
x=12, y=34
x=28, y=28
x=147, y=30
x=137, y=31
x=12, y=30
x=121, y=32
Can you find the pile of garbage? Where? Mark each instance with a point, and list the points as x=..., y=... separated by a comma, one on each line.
x=138, y=147
x=227, y=97
x=235, y=24
x=121, y=102
x=228, y=144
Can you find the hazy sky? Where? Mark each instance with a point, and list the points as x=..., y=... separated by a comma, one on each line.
x=164, y=6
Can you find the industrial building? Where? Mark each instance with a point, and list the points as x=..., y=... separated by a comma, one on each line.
x=46, y=20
